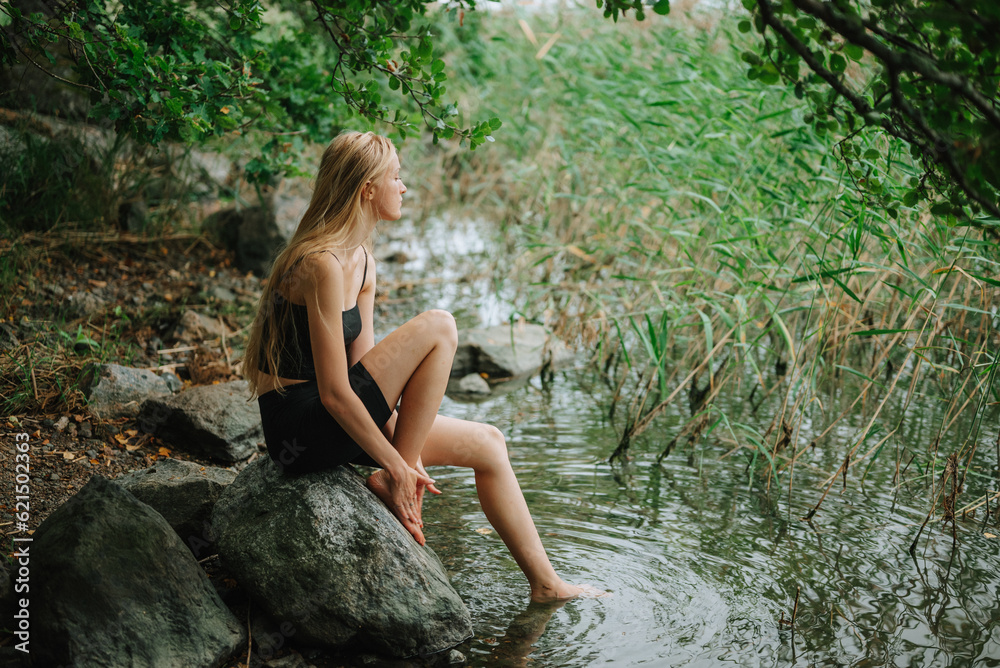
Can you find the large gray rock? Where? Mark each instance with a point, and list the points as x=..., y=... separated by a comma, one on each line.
x=320, y=553
x=506, y=352
x=115, y=391
x=216, y=421
x=256, y=232
x=112, y=586
x=184, y=493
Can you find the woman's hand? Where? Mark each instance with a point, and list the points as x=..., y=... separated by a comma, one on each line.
x=430, y=488
x=420, y=490
x=403, y=496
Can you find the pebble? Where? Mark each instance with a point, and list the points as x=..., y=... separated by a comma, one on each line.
x=62, y=423
x=86, y=431
x=174, y=383
x=92, y=454
x=48, y=422
x=54, y=477
x=221, y=293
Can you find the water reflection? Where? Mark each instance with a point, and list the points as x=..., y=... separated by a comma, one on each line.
x=703, y=560
x=704, y=557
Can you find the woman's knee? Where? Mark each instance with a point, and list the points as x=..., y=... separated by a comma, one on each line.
x=441, y=325
x=491, y=448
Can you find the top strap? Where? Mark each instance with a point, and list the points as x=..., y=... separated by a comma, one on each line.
x=365, y=276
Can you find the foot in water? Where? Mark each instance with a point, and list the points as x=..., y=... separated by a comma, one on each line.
x=564, y=591
x=379, y=486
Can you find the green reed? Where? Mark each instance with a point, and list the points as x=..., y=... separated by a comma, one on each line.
x=687, y=225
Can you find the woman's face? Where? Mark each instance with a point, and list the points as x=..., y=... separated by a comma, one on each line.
x=388, y=195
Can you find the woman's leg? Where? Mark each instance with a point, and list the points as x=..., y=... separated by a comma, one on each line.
x=412, y=366
x=481, y=447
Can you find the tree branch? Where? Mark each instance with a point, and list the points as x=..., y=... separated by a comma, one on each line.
x=853, y=30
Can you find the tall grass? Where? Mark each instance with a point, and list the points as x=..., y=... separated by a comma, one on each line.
x=689, y=227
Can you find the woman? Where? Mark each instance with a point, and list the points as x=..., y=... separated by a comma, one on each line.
x=326, y=391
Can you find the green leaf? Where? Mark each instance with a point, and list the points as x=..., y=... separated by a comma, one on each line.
x=838, y=63
x=662, y=7
x=854, y=52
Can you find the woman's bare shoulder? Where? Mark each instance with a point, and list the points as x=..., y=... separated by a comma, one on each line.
x=315, y=272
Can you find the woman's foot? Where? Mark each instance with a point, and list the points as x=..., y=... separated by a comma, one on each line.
x=563, y=591
x=378, y=483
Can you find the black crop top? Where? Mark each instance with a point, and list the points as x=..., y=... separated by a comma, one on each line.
x=296, y=362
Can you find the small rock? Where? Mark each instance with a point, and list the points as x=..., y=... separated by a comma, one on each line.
x=194, y=326
x=115, y=391
x=221, y=293
x=84, y=304
x=54, y=477
x=48, y=423
x=173, y=382
x=71, y=429
x=506, y=352
x=211, y=420
x=8, y=337
x=473, y=383
x=92, y=454
x=455, y=658
x=86, y=431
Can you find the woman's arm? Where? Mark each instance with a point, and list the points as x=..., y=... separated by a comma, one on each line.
x=366, y=306
x=366, y=341
x=323, y=290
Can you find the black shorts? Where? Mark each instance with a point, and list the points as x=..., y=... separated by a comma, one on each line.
x=302, y=436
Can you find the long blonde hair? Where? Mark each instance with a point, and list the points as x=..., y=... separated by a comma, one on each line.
x=334, y=220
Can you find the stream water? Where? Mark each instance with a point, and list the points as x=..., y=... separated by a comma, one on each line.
x=703, y=560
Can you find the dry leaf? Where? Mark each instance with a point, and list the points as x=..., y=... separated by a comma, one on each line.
x=486, y=531
x=163, y=452
x=130, y=448
x=68, y=455
x=989, y=535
